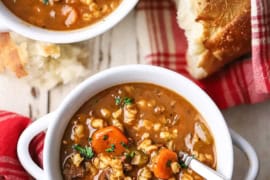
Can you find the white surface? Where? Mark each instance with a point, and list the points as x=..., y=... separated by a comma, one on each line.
x=3, y=28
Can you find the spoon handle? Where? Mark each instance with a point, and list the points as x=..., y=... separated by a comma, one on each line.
x=205, y=171
x=201, y=169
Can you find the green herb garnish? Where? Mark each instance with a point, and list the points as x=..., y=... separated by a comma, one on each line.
x=118, y=101
x=128, y=101
x=125, y=101
x=124, y=145
x=111, y=149
x=105, y=137
x=86, y=152
x=45, y=2
x=182, y=164
x=130, y=155
x=169, y=162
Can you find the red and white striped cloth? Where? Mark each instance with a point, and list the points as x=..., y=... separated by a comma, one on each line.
x=11, y=126
x=243, y=82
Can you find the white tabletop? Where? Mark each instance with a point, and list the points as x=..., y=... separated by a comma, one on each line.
x=117, y=47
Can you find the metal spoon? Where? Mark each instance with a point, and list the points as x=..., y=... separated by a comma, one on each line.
x=200, y=168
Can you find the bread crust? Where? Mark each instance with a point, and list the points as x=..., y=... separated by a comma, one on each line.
x=226, y=34
x=9, y=56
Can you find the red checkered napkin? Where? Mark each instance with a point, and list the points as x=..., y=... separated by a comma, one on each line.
x=246, y=81
x=11, y=126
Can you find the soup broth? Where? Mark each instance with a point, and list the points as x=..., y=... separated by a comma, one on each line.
x=135, y=131
x=61, y=14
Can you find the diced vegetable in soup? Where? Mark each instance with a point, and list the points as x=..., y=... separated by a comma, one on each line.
x=61, y=14
x=135, y=131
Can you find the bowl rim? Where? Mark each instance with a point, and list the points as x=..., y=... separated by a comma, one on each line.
x=223, y=143
x=24, y=28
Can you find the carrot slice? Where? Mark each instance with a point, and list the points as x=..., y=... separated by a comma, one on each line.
x=110, y=140
x=162, y=168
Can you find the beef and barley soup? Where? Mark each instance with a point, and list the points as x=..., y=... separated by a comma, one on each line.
x=135, y=131
x=62, y=14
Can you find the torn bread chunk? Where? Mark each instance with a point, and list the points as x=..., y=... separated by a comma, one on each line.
x=218, y=32
x=43, y=64
x=9, y=57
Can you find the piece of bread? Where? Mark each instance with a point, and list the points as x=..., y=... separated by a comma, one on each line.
x=218, y=31
x=10, y=57
x=42, y=64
